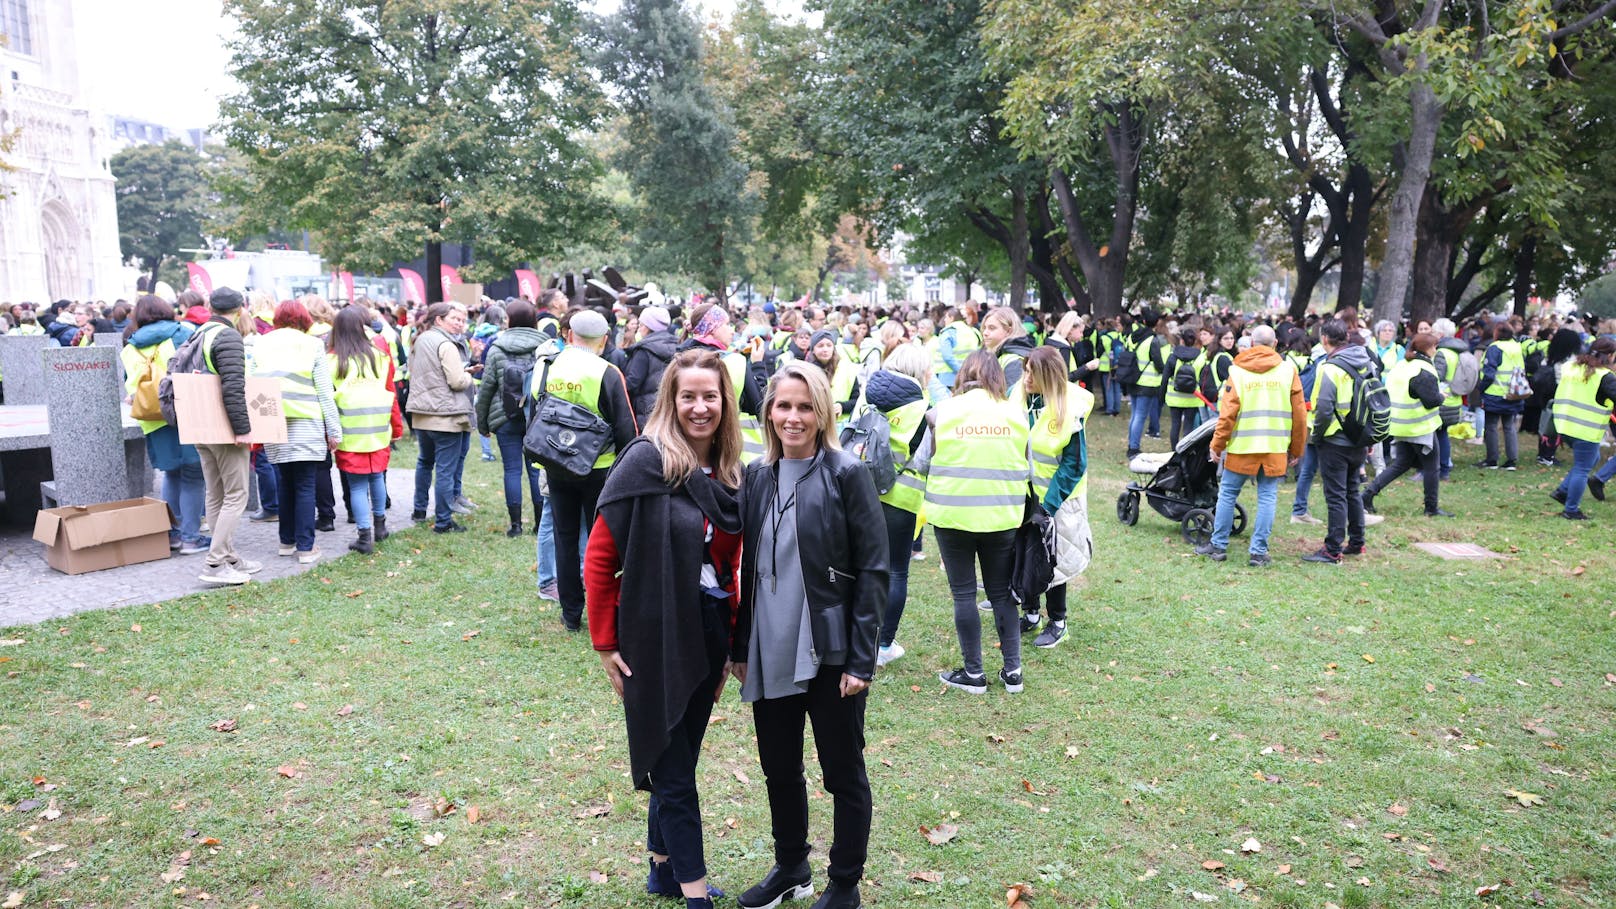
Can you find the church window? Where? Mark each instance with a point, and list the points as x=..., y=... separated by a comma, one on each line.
x=15, y=27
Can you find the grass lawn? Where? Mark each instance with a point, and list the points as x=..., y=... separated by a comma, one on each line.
x=1365, y=724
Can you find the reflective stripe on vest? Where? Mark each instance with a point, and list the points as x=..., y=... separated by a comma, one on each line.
x=910, y=490
x=364, y=405
x=751, y=427
x=288, y=354
x=966, y=339
x=1046, y=442
x=1446, y=374
x=978, y=478
x=1343, y=395
x=576, y=375
x=1510, y=360
x=1576, y=408
x=1410, y=418
x=1149, y=375
x=1263, y=425
x=1185, y=398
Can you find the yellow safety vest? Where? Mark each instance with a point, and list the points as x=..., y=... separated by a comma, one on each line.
x=1185, y=398
x=364, y=405
x=289, y=354
x=1576, y=408
x=1410, y=418
x=1343, y=395
x=1389, y=357
x=966, y=339
x=978, y=478
x=1046, y=441
x=28, y=329
x=1263, y=425
x=1149, y=375
x=751, y=428
x=576, y=375
x=1512, y=360
x=910, y=490
x=134, y=367
x=1450, y=369
x=1102, y=348
x=841, y=384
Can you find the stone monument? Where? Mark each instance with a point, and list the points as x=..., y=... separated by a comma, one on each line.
x=23, y=368
x=89, y=455
x=114, y=340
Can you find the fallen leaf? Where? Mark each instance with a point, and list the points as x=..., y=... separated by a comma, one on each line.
x=1013, y=896
x=471, y=634
x=176, y=868
x=593, y=811
x=13, y=900
x=1236, y=884
x=1488, y=890
x=1368, y=659
x=135, y=628
x=1527, y=799
x=434, y=840
x=344, y=710
x=926, y=877
x=1027, y=785
x=597, y=877
x=138, y=740
x=51, y=812
x=1283, y=869
x=223, y=726
x=914, y=687
x=153, y=699
x=1200, y=897
x=29, y=804
x=299, y=705
x=1437, y=865
x=1212, y=865
x=1354, y=861
x=1556, y=682
x=156, y=743
x=995, y=738
x=1538, y=729
x=210, y=841
x=741, y=776
x=1071, y=751
x=354, y=594
x=939, y=834
x=1251, y=845
x=288, y=771
x=1397, y=810
x=473, y=814
x=1391, y=837
x=1429, y=688
x=442, y=807
x=1575, y=572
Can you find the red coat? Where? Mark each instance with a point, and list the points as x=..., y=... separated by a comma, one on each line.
x=367, y=462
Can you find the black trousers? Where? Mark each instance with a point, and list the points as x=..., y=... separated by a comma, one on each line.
x=574, y=503
x=839, y=738
x=1339, y=467
x=1405, y=455
x=673, y=821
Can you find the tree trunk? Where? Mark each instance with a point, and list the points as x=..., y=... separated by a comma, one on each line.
x=1308, y=274
x=434, y=271
x=1397, y=269
x=1525, y=269
x=1019, y=249
x=1359, y=188
x=1104, y=267
x=1433, y=258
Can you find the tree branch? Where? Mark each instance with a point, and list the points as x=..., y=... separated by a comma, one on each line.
x=1604, y=10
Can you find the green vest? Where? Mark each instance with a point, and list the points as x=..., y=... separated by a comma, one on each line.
x=1046, y=441
x=751, y=430
x=364, y=405
x=288, y=354
x=910, y=491
x=1149, y=375
x=978, y=477
x=1410, y=418
x=1445, y=374
x=28, y=329
x=841, y=384
x=1263, y=425
x=1512, y=360
x=135, y=360
x=576, y=376
x=1185, y=398
x=1576, y=408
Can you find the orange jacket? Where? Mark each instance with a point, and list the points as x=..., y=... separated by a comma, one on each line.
x=1258, y=359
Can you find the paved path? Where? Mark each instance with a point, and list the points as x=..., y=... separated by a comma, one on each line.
x=31, y=591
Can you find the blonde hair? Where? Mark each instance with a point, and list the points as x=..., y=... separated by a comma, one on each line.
x=1047, y=369
x=319, y=309
x=910, y=360
x=1068, y=322
x=818, y=393
x=893, y=335
x=662, y=427
x=1007, y=317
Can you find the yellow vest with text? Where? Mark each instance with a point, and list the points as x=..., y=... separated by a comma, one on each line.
x=1410, y=418
x=1512, y=359
x=1047, y=441
x=1576, y=407
x=751, y=429
x=1185, y=398
x=1263, y=425
x=1342, y=380
x=364, y=405
x=1149, y=375
x=288, y=355
x=576, y=376
x=978, y=477
x=910, y=491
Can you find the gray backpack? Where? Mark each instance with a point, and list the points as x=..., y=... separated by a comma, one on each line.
x=192, y=357
x=869, y=438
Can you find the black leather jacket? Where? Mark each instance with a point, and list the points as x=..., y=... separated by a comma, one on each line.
x=842, y=540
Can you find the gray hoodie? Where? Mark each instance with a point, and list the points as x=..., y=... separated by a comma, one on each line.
x=1324, y=417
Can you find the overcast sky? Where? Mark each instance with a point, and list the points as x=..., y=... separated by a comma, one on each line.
x=168, y=64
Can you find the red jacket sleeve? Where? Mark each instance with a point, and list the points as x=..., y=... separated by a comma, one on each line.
x=603, y=585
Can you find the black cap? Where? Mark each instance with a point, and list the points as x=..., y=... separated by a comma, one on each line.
x=225, y=299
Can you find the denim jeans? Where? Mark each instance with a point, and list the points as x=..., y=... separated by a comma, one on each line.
x=1229, y=487
x=546, y=543
x=1444, y=450
x=960, y=551
x=1180, y=420
x=296, y=481
x=1145, y=409
x=1507, y=424
x=369, y=492
x=436, y=466
x=488, y=451
x=460, y=468
x=1608, y=471
x=1306, y=469
x=1584, y=455
x=1113, y=395
x=269, y=496
x=185, y=492
x=1338, y=474
x=512, y=463
x=900, y=546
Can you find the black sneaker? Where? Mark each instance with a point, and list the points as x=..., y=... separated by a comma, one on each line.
x=1012, y=680
x=1559, y=495
x=1573, y=516
x=778, y=885
x=326, y=525
x=1509, y=465
x=1596, y=488
x=838, y=895
x=1132, y=453
x=1212, y=552
x=1259, y=560
x=451, y=527
x=1323, y=556
x=1439, y=513
x=418, y=517
x=1053, y=634
x=1369, y=503
x=1352, y=550
x=964, y=681
x=1488, y=464
x=1029, y=622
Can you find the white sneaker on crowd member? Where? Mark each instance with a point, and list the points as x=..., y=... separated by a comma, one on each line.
x=888, y=653
x=1304, y=518
x=223, y=573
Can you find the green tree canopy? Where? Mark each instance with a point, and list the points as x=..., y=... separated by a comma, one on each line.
x=162, y=199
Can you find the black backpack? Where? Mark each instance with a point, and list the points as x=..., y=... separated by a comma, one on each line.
x=1125, y=366
x=1368, y=419
x=1184, y=378
x=1033, y=560
x=513, y=387
x=869, y=438
x=192, y=357
x=563, y=436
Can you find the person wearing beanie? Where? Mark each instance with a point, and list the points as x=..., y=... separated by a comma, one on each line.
x=842, y=372
x=648, y=357
x=226, y=467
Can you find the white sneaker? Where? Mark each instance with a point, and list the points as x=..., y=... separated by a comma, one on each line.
x=287, y=549
x=308, y=558
x=917, y=556
x=247, y=566
x=1304, y=519
x=1370, y=520
x=223, y=574
x=985, y=606
x=886, y=655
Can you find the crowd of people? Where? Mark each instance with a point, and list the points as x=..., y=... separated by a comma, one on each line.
x=729, y=422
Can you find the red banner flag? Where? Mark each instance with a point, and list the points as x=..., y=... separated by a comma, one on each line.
x=414, y=286
x=527, y=285
x=345, y=281
x=200, y=280
x=450, y=277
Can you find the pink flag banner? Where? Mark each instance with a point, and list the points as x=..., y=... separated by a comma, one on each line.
x=199, y=279
x=527, y=285
x=450, y=277
x=345, y=281
x=414, y=285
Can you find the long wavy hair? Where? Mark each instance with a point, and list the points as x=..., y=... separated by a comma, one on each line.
x=662, y=427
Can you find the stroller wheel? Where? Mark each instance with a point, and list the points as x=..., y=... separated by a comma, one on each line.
x=1128, y=508
x=1197, y=526
x=1239, y=519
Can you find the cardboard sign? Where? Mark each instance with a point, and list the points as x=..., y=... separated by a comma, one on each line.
x=199, y=406
x=467, y=295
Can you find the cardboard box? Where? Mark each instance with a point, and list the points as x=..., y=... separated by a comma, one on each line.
x=467, y=294
x=199, y=405
x=80, y=538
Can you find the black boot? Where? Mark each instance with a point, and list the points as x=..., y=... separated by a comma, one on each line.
x=778, y=885
x=381, y=528
x=366, y=542
x=839, y=895
x=515, y=512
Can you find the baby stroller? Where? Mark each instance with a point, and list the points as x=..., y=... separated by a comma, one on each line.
x=1182, y=488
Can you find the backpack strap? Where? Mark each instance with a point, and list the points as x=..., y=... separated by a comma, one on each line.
x=533, y=400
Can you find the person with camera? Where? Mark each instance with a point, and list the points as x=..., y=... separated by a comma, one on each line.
x=580, y=375
x=664, y=630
